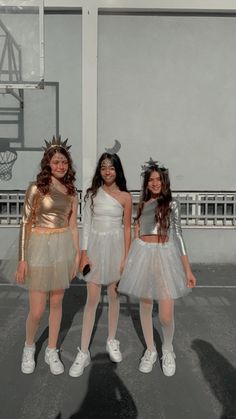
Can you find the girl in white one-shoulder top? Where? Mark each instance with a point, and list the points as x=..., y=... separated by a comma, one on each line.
x=105, y=244
x=157, y=266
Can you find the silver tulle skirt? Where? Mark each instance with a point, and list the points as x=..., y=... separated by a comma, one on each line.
x=154, y=271
x=105, y=251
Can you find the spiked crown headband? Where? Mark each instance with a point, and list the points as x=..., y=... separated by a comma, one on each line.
x=152, y=165
x=56, y=142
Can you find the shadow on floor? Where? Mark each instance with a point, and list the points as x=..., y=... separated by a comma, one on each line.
x=219, y=374
x=107, y=397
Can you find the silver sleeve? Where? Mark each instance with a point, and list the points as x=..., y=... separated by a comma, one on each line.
x=176, y=220
x=87, y=221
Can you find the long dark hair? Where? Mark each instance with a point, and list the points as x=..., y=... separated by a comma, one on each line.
x=44, y=177
x=97, y=178
x=162, y=212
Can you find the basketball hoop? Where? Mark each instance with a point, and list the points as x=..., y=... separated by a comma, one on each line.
x=7, y=159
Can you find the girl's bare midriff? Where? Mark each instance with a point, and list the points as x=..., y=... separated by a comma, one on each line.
x=154, y=238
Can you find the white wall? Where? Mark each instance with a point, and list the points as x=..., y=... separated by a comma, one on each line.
x=167, y=89
x=203, y=245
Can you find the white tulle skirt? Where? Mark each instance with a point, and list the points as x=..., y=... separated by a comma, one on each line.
x=105, y=251
x=154, y=271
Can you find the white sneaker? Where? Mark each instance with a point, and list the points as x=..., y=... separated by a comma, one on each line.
x=81, y=361
x=168, y=362
x=28, y=362
x=113, y=348
x=52, y=359
x=147, y=361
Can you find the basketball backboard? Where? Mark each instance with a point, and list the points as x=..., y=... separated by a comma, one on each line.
x=21, y=44
x=22, y=128
x=24, y=125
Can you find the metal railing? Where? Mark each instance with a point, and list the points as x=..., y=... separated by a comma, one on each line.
x=211, y=209
x=11, y=206
x=204, y=209
x=198, y=209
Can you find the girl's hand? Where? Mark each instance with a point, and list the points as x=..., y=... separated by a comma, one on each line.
x=191, y=280
x=21, y=272
x=76, y=270
x=84, y=261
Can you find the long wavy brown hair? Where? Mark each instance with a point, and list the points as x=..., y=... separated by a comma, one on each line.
x=162, y=212
x=44, y=176
x=97, y=178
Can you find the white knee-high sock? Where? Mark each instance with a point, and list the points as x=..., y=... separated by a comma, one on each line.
x=168, y=334
x=113, y=317
x=166, y=316
x=147, y=324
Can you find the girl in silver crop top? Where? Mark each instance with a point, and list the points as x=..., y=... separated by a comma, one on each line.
x=157, y=267
x=105, y=243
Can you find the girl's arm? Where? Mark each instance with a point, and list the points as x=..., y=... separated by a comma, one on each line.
x=25, y=228
x=191, y=280
x=75, y=233
x=127, y=222
x=87, y=221
x=137, y=229
x=127, y=227
x=176, y=217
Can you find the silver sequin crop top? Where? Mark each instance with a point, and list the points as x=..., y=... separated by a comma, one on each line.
x=148, y=225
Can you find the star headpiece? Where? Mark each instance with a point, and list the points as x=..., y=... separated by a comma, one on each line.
x=56, y=142
x=152, y=164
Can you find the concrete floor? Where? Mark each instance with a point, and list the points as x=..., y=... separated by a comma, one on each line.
x=204, y=386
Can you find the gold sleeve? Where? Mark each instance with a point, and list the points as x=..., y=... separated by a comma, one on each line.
x=27, y=217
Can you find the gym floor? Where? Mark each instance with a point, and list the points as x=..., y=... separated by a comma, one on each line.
x=204, y=386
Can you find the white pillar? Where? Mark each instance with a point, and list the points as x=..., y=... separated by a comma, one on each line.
x=89, y=93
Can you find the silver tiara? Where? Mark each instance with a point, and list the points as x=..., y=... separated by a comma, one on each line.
x=152, y=164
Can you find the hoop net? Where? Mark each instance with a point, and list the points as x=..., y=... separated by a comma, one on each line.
x=7, y=159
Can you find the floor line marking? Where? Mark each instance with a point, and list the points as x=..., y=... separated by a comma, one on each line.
x=81, y=285
x=215, y=286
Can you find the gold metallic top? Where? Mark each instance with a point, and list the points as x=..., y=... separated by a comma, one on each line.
x=43, y=211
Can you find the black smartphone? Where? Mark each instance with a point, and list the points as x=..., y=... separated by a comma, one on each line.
x=86, y=269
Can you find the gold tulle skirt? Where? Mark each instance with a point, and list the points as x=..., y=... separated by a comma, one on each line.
x=51, y=259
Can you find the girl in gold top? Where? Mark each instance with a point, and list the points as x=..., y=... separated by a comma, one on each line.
x=49, y=248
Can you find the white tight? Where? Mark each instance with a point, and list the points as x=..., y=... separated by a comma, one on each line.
x=166, y=317
x=93, y=298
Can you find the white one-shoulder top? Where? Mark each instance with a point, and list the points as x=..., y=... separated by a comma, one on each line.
x=106, y=215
